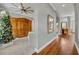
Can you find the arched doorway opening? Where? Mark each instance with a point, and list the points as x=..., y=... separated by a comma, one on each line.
x=20, y=27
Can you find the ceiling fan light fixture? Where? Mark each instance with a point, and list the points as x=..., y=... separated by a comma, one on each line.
x=24, y=9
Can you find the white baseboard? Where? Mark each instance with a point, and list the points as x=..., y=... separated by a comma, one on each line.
x=77, y=48
x=40, y=49
x=6, y=45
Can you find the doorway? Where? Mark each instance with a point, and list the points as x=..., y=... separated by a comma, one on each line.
x=63, y=25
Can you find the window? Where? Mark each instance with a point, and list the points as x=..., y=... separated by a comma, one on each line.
x=50, y=24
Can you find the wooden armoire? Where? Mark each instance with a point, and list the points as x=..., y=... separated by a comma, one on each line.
x=20, y=27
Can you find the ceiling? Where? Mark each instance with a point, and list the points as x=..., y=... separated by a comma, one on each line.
x=12, y=9
x=64, y=8
x=61, y=8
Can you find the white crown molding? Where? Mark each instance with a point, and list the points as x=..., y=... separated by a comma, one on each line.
x=53, y=6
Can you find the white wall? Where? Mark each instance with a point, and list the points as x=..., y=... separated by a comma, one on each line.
x=76, y=8
x=41, y=11
x=43, y=36
x=72, y=24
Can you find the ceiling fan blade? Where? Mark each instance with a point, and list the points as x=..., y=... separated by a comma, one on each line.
x=29, y=12
x=26, y=12
x=15, y=5
x=28, y=8
x=22, y=6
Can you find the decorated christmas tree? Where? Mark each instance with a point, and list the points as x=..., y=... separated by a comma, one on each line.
x=5, y=28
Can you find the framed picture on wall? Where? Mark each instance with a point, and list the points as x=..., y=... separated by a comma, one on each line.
x=50, y=25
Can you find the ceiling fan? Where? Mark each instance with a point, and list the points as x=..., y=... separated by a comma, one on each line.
x=24, y=9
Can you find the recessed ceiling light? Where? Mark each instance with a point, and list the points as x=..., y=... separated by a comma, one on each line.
x=63, y=5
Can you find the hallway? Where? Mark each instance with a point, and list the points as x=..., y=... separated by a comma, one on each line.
x=42, y=28
x=63, y=45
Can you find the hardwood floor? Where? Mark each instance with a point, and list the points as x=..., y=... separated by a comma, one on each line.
x=63, y=45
